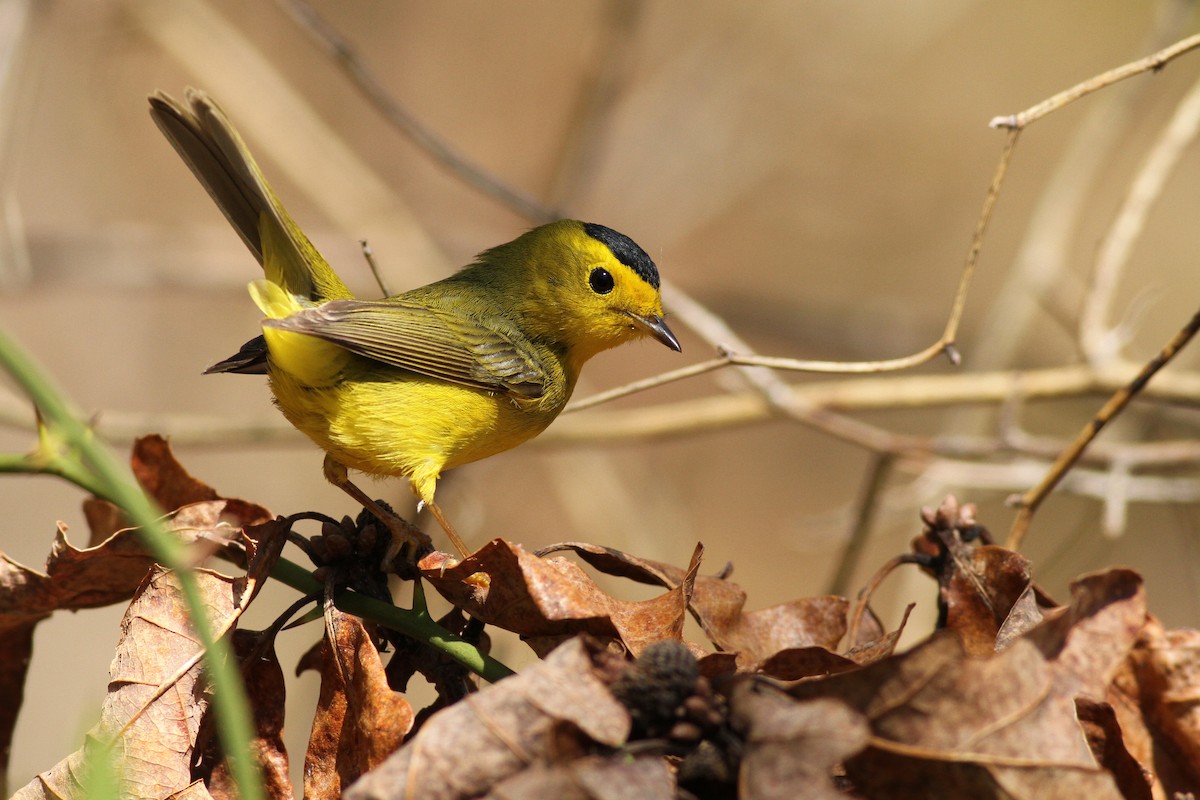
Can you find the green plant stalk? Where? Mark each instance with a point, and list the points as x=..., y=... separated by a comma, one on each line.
x=415, y=623
x=59, y=466
x=229, y=696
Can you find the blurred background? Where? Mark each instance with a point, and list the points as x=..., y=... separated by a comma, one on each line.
x=811, y=173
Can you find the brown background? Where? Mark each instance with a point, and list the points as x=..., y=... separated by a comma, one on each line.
x=810, y=171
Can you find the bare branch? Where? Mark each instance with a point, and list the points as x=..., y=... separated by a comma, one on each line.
x=1031, y=499
x=1150, y=63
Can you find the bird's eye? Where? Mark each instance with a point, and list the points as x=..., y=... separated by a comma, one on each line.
x=601, y=281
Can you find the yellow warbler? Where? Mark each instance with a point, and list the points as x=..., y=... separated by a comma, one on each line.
x=438, y=376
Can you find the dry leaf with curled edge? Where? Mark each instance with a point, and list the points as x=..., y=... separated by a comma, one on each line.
x=109, y=572
x=986, y=593
x=719, y=606
x=1156, y=698
x=155, y=752
x=360, y=719
x=173, y=488
x=974, y=726
x=266, y=692
x=549, y=600
x=1089, y=640
x=561, y=704
x=795, y=663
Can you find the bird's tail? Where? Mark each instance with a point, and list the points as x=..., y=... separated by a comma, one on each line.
x=210, y=145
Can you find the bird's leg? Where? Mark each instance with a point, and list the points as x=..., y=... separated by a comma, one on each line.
x=402, y=532
x=452, y=534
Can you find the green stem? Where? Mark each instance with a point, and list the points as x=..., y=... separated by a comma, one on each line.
x=416, y=624
x=229, y=696
x=60, y=466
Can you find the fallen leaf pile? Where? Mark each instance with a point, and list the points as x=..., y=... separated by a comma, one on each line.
x=1013, y=696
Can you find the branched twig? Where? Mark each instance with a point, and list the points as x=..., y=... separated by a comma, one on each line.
x=883, y=392
x=1150, y=63
x=1030, y=500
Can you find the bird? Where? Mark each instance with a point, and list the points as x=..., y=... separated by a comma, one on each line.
x=418, y=383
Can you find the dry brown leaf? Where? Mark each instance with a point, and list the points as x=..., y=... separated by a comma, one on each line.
x=163, y=477
x=987, y=724
x=266, y=692
x=719, y=606
x=549, y=600
x=1160, y=715
x=16, y=643
x=795, y=663
x=156, y=638
x=791, y=747
x=1105, y=738
x=360, y=720
x=172, y=487
x=591, y=778
x=986, y=593
x=464, y=750
x=980, y=587
x=107, y=573
x=1092, y=637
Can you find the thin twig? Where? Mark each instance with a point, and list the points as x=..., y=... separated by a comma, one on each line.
x=867, y=504
x=864, y=595
x=369, y=255
x=1031, y=499
x=1150, y=63
x=687, y=417
x=347, y=57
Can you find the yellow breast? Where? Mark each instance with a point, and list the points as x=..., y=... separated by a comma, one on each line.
x=388, y=422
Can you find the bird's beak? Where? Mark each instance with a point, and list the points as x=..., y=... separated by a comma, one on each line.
x=654, y=325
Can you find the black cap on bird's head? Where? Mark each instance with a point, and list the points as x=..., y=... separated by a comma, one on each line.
x=626, y=251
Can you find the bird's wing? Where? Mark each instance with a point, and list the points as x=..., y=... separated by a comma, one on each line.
x=434, y=342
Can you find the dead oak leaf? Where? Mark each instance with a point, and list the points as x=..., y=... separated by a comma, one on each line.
x=106, y=573
x=161, y=475
x=791, y=746
x=549, y=600
x=989, y=725
x=360, y=720
x=561, y=703
x=719, y=604
x=1089, y=639
x=266, y=692
x=985, y=592
x=1156, y=697
x=156, y=748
